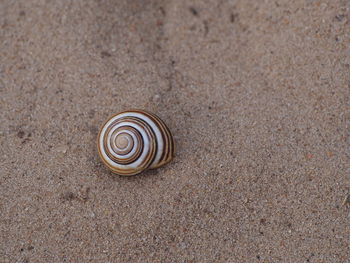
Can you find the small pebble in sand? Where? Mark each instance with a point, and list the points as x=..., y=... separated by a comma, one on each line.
x=156, y=98
x=62, y=149
x=346, y=201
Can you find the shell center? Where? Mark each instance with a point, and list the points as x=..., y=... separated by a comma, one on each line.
x=122, y=141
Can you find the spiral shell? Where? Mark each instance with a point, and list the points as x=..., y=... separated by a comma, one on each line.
x=133, y=141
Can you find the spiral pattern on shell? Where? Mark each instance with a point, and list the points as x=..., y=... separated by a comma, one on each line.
x=133, y=141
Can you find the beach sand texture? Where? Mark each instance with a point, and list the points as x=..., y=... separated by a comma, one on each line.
x=256, y=94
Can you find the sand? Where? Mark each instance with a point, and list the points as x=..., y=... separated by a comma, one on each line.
x=256, y=94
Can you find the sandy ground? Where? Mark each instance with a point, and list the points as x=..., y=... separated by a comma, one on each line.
x=255, y=92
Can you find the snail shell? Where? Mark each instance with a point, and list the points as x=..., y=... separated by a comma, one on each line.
x=133, y=141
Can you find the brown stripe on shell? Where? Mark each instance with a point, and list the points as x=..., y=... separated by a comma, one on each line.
x=169, y=146
x=152, y=143
x=135, y=156
x=138, y=135
x=151, y=137
x=167, y=153
x=113, y=140
x=149, y=157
